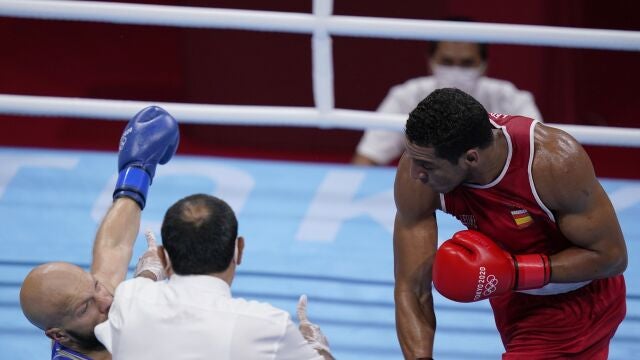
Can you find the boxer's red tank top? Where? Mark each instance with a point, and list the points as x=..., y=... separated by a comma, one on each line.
x=579, y=323
x=508, y=209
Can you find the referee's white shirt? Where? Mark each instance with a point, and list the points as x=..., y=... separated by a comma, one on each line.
x=195, y=317
x=498, y=96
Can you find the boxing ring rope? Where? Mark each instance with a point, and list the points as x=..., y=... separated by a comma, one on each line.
x=321, y=24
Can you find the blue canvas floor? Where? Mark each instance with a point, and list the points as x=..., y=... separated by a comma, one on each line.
x=323, y=230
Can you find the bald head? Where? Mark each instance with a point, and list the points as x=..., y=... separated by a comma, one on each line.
x=195, y=212
x=45, y=292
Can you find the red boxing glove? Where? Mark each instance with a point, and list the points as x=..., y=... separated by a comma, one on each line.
x=471, y=267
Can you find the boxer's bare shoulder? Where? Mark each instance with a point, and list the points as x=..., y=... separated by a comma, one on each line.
x=561, y=166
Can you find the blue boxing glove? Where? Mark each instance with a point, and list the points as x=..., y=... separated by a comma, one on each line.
x=150, y=138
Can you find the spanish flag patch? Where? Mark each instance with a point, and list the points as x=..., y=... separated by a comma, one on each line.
x=522, y=218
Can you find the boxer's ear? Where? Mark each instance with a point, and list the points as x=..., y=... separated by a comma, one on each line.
x=58, y=335
x=471, y=156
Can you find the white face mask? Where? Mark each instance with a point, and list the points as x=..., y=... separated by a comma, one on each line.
x=462, y=78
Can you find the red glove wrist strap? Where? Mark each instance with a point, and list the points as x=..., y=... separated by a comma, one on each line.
x=533, y=271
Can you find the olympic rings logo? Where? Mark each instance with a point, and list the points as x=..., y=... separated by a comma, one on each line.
x=491, y=285
x=486, y=285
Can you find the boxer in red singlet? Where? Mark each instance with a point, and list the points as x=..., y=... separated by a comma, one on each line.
x=544, y=242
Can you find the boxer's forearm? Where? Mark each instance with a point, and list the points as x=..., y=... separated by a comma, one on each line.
x=415, y=324
x=113, y=246
x=578, y=264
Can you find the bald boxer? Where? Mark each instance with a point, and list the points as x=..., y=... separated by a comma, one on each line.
x=544, y=244
x=67, y=302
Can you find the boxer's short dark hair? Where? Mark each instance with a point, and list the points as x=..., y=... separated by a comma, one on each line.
x=451, y=121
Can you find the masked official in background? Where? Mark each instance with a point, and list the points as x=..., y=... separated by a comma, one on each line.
x=453, y=64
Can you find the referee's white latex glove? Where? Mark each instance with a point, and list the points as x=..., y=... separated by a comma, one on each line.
x=310, y=331
x=150, y=260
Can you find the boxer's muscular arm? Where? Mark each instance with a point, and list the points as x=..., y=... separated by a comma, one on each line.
x=113, y=246
x=414, y=245
x=567, y=185
x=150, y=138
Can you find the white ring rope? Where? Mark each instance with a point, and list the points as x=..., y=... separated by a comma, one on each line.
x=322, y=57
x=199, y=113
x=197, y=17
x=321, y=24
x=264, y=116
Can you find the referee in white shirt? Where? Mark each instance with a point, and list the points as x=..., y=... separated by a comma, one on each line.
x=193, y=315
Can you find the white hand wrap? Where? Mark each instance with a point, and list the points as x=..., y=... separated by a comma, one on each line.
x=310, y=331
x=150, y=261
